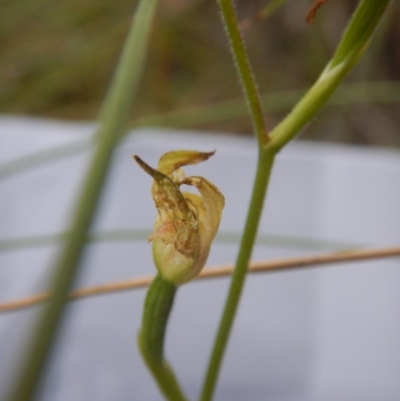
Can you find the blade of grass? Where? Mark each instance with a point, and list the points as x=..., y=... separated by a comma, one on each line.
x=113, y=120
x=37, y=241
x=39, y=158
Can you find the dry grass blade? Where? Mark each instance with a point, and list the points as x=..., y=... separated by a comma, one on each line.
x=217, y=271
x=313, y=10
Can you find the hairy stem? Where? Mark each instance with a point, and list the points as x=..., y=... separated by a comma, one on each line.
x=264, y=168
x=352, y=46
x=244, y=70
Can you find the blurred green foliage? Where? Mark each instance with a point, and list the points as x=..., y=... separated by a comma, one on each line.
x=57, y=57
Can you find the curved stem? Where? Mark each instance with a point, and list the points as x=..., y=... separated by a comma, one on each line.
x=264, y=168
x=157, y=308
x=308, y=106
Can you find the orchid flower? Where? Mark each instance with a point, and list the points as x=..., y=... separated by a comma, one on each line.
x=186, y=223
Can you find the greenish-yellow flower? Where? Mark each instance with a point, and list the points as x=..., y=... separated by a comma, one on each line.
x=186, y=223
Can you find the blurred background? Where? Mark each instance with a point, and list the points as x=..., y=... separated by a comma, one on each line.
x=57, y=58
x=324, y=334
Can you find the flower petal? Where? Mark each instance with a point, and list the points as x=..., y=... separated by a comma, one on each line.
x=171, y=161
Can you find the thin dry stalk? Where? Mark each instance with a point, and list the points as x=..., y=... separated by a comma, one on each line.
x=214, y=272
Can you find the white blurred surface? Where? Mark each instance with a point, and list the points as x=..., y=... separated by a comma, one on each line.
x=320, y=334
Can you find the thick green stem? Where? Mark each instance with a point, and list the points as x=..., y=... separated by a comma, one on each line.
x=358, y=33
x=264, y=168
x=158, y=304
x=244, y=70
x=310, y=104
x=114, y=118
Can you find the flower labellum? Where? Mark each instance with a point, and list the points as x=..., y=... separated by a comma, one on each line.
x=186, y=223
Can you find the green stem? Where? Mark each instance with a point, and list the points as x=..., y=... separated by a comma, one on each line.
x=244, y=70
x=114, y=118
x=264, y=168
x=308, y=106
x=158, y=304
x=352, y=46
x=303, y=112
x=359, y=30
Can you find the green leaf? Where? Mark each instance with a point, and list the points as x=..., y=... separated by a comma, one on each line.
x=356, y=37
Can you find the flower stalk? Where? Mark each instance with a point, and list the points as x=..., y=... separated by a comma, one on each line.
x=158, y=304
